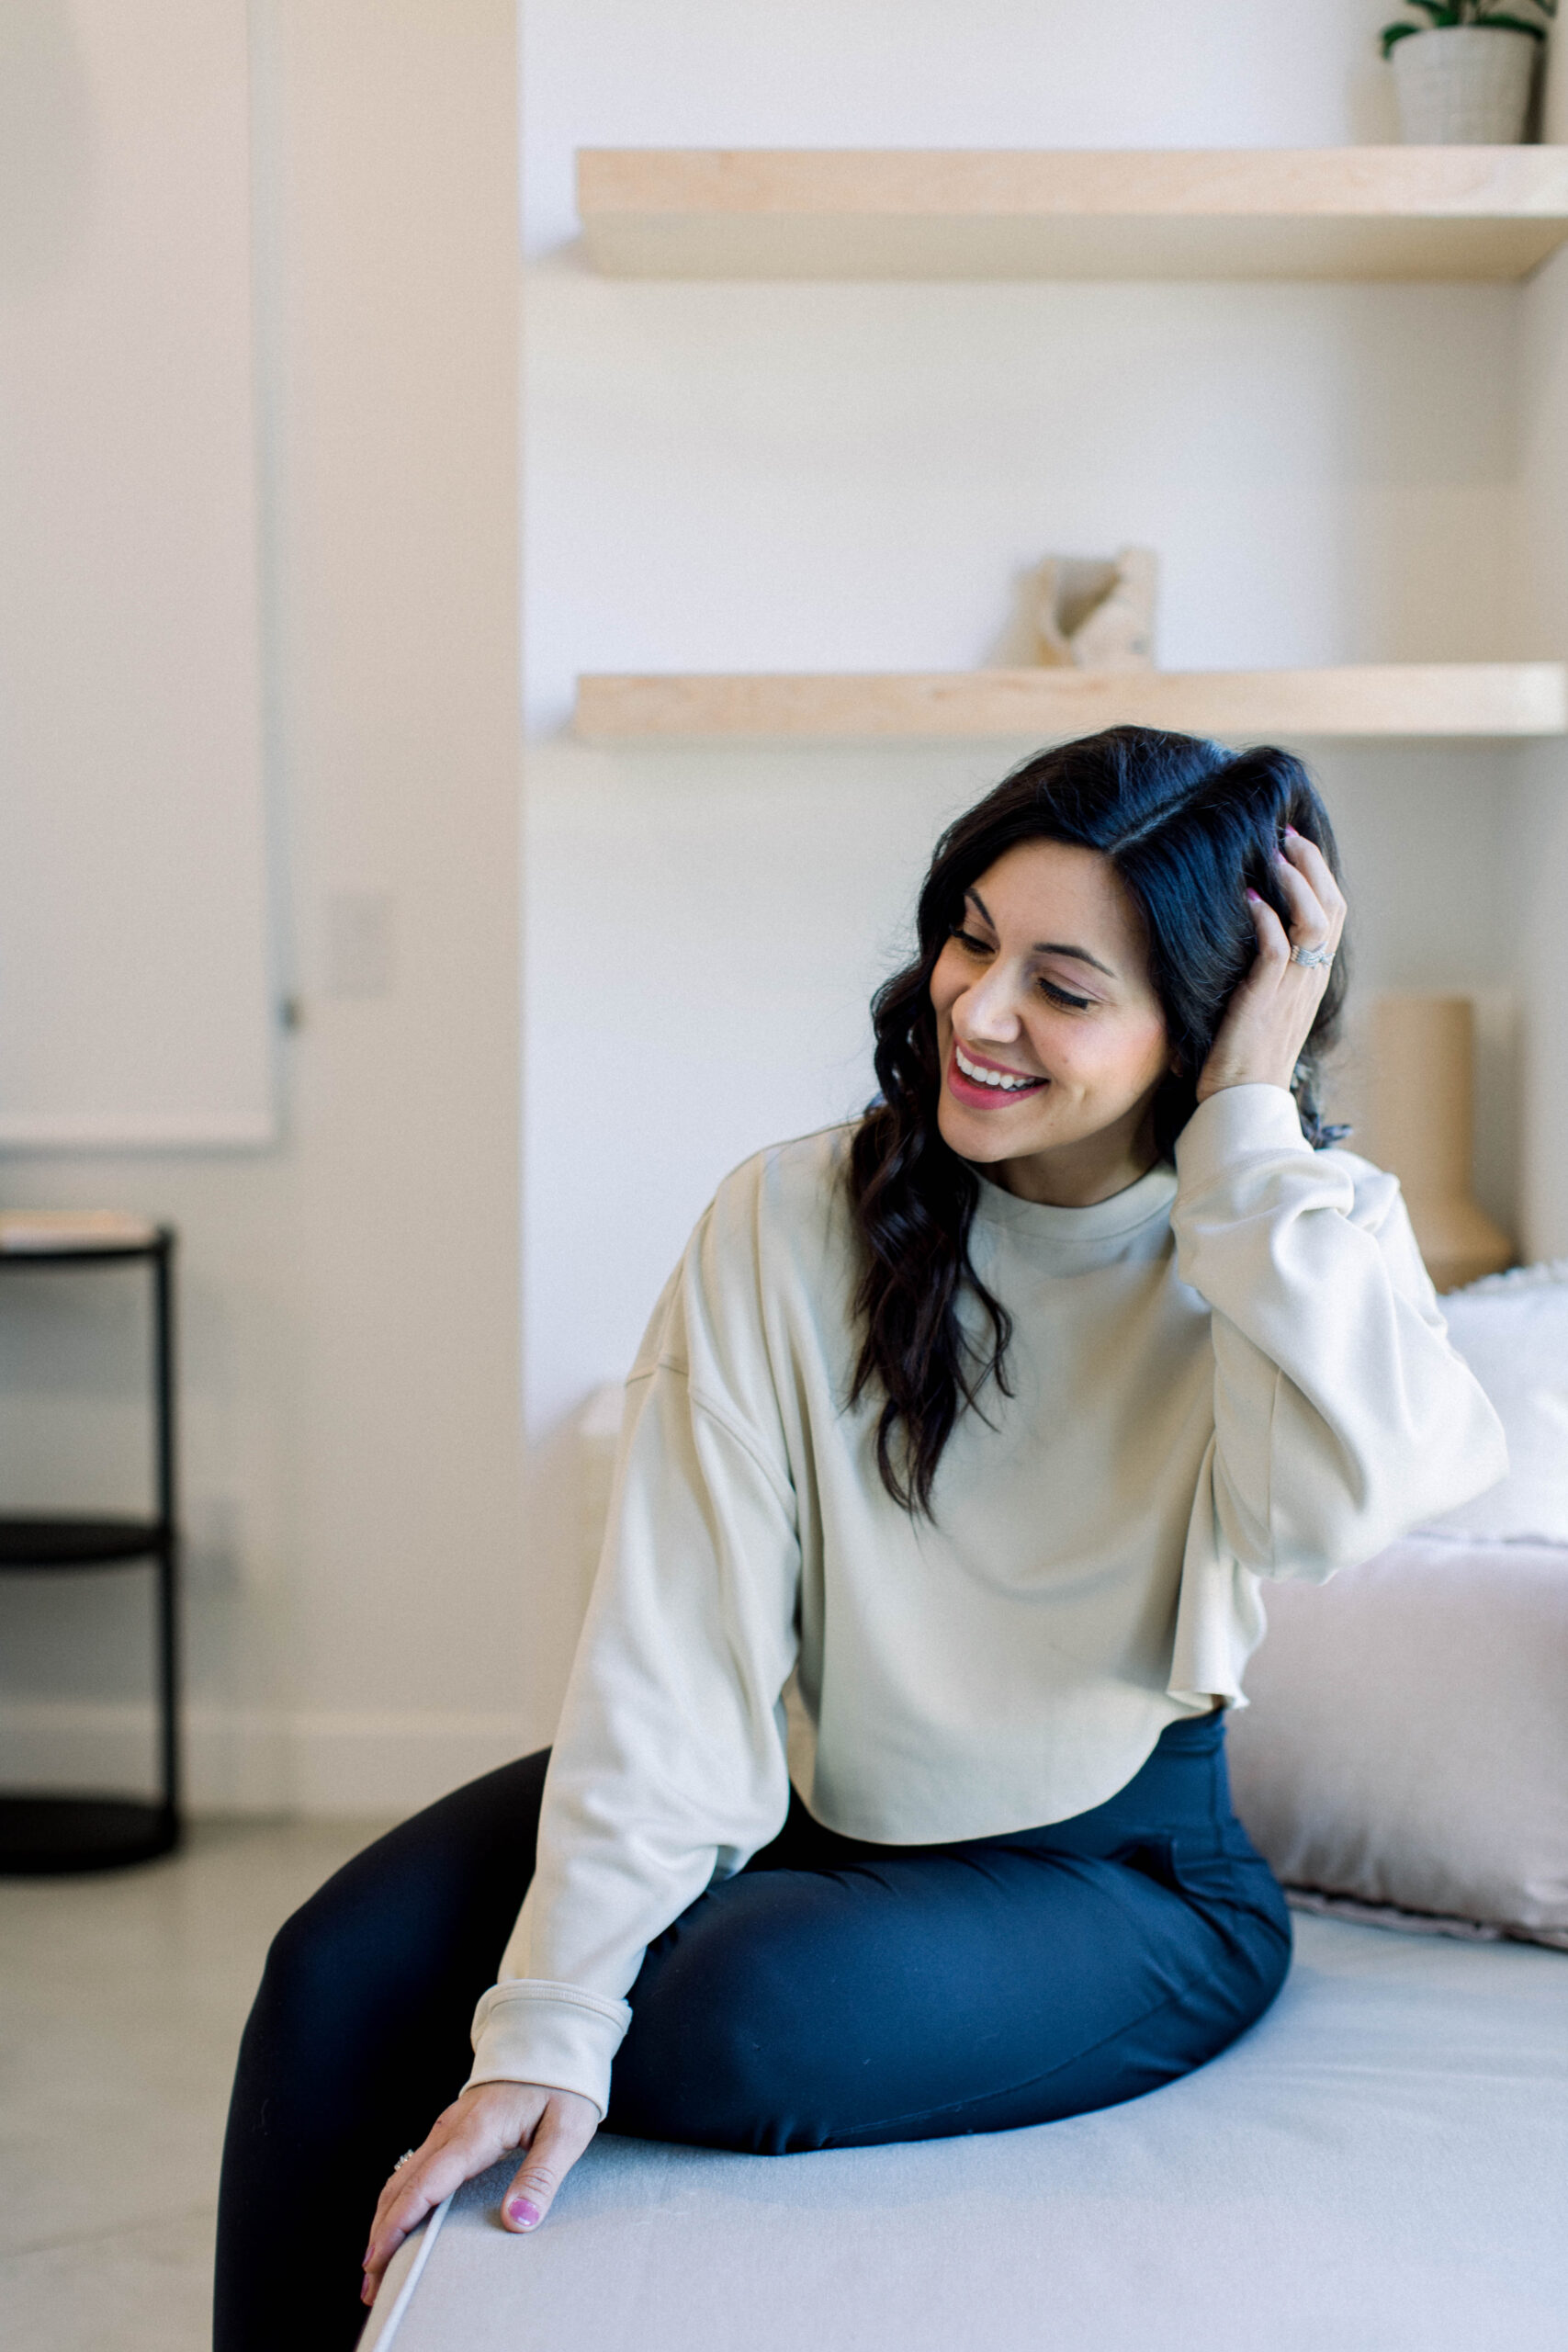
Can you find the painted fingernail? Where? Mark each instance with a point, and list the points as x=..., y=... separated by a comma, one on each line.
x=527, y=2216
x=1254, y=897
x=1292, y=834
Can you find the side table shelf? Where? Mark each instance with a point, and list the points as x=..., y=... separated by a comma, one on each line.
x=44, y=1832
x=44, y=1541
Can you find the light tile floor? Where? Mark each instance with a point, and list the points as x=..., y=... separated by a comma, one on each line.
x=121, y=2002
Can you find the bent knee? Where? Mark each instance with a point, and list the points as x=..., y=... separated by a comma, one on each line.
x=305, y=1964
x=712, y=2058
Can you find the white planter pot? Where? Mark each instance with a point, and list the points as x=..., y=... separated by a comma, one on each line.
x=1464, y=86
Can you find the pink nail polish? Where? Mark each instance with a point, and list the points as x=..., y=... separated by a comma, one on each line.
x=527, y=2216
x=1254, y=897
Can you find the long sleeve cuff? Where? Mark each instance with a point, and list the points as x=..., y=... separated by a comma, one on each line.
x=1231, y=1125
x=529, y=2030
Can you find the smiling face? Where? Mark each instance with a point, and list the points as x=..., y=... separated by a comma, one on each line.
x=1053, y=1041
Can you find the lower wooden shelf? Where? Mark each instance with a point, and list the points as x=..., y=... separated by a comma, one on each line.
x=1412, y=700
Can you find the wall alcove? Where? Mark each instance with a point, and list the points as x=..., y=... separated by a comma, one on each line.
x=1453, y=214
x=828, y=337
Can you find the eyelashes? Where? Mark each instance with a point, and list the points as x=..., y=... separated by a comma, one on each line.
x=1048, y=988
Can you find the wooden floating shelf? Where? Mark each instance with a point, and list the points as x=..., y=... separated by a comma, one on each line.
x=1412, y=700
x=1328, y=212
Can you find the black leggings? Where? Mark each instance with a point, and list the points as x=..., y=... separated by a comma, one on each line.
x=833, y=1993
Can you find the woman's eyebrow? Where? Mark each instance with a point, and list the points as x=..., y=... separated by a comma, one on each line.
x=1078, y=955
x=1047, y=946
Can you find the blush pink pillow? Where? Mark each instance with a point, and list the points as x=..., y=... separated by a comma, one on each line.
x=1406, y=1744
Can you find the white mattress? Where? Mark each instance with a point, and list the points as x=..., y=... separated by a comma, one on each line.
x=1382, y=2163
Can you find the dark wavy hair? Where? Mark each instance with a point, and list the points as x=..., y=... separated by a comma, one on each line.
x=1188, y=826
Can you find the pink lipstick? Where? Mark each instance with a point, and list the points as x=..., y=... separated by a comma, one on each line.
x=976, y=1095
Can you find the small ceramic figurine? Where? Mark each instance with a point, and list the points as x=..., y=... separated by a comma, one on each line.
x=1095, y=613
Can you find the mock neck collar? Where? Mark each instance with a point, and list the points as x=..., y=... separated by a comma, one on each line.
x=1101, y=1221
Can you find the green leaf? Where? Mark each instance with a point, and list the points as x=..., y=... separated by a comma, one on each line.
x=1391, y=33
x=1511, y=24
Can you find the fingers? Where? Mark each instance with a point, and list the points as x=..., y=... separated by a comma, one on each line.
x=404, y=2202
x=563, y=2132
x=1273, y=941
x=1302, y=867
x=1270, y=1016
x=482, y=2125
x=487, y=2120
x=408, y=2197
x=1309, y=923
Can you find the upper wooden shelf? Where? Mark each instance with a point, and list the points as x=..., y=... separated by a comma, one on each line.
x=1412, y=700
x=1321, y=212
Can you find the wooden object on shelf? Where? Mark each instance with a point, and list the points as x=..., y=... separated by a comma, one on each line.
x=1085, y=612
x=1329, y=212
x=1419, y=1123
x=1413, y=700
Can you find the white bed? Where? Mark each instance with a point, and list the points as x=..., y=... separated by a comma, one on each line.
x=1382, y=2163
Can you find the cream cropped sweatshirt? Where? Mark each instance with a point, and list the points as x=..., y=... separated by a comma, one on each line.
x=1233, y=1369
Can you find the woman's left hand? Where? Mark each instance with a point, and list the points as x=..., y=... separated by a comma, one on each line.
x=1267, y=1021
x=484, y=2124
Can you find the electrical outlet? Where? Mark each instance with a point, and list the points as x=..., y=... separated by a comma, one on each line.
x=361, y=943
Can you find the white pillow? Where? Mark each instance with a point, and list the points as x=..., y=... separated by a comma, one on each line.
x=1406, y=1744
x=1512, y=1331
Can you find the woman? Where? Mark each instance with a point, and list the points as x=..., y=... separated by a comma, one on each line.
x=975, y=1425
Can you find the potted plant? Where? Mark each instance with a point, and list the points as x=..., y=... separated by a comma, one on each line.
x=1465, y=77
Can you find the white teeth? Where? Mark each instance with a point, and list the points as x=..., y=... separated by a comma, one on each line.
x=980, y=1076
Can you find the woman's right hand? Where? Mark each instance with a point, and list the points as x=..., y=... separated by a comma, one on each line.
x=485, y=2123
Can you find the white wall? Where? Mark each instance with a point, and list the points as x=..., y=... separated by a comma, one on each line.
x=135, y=985
x=358, y=1627
x=847, y=477
x=722, y=474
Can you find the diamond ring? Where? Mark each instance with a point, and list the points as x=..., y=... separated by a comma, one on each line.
x=407, y=2157
x=1317, y=956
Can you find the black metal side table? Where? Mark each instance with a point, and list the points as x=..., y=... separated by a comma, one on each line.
x=41, y=1834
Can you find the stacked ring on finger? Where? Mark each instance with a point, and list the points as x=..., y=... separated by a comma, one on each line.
x=1319, y=957
x=407, y=2157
